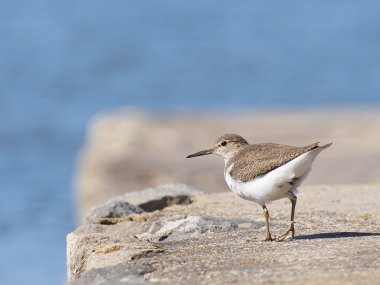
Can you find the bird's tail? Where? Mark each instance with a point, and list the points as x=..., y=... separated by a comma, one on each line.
x=317, y=149
x=320, y=148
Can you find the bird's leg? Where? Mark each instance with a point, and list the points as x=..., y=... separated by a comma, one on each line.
x=268, y=237
x=291, y=225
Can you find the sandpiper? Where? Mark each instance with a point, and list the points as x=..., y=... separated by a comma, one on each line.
x=264, y=172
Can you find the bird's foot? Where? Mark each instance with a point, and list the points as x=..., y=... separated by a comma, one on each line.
x=285, y=234
x=268, y=237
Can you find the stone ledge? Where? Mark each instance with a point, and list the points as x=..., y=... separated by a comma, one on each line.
x=217, y=239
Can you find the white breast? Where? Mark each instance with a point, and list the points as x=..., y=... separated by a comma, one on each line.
x=276, y=184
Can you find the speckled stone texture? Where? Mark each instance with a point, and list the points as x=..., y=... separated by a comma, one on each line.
x=217, y=239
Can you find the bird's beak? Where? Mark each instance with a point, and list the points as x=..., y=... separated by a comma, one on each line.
x=202, y=152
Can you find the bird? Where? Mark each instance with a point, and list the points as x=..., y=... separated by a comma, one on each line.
x=264, y=172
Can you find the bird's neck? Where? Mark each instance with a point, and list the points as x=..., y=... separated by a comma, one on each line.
x=228, y=156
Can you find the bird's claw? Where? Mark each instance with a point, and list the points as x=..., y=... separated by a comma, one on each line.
x=284, y=235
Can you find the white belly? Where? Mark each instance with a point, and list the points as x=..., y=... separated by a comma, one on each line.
x=276, y=184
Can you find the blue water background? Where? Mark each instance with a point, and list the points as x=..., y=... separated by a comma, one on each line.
x=62, y=62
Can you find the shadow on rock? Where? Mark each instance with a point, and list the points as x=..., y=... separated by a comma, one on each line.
x=337, y=235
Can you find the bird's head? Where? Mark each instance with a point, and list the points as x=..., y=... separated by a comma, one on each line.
x=226, y=146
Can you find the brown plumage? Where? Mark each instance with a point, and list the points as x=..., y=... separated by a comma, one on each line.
x=232, y=138
x=257, y=159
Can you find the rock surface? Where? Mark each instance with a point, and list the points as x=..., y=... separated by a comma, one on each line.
x=115, y=208
x=114, y=275
x=127, y=150
x=217, y=239
x=189, y=227
x=148, y=200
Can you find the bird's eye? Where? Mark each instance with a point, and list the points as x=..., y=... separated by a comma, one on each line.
x=224, y=143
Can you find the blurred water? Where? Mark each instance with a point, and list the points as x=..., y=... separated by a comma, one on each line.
x=61, y=62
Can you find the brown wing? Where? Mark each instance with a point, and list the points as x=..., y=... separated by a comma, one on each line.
x=258, y=159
